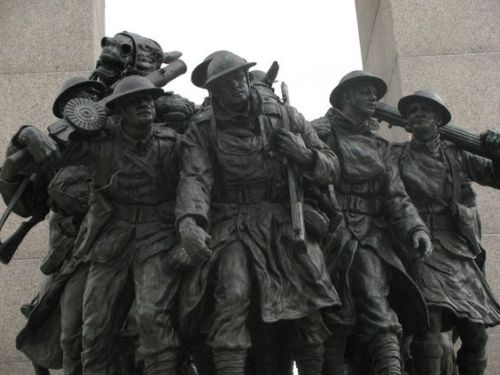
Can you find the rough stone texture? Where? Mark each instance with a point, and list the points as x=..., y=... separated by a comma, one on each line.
x=367, y=13
x=43, y=43
x=430, y=27
x=453, y=48
x=49, y=35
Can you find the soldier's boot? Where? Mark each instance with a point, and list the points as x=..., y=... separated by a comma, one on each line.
x=309, y=359
x=230, y=362
x=335, y=356
x=386, y=354
x=427, y=357
x=470, y=365
x=165, y=363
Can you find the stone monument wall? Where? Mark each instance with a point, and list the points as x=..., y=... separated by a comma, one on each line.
x=452, y=47
x=43, y=43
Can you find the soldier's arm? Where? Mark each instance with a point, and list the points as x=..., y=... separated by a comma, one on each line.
x=18, y=166
x=325, y=167
x=399, y=209
x=196, y=176
x=481, y=170
x=32, y=151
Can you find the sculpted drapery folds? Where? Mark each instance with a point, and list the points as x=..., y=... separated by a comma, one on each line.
x=438, y=176
x=130, y=225
x=374, y=203
x=233, y=185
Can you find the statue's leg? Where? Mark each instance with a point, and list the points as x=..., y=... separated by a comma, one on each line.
x=107, y=300
x=308, y=351
x=71, y=305
x=335, y=351
x=426, y=347
x=263, y=356
x=471, y=357
x=229, y=335
x=202, y=356
x=156, y=287
x=448, y=359
x=376, y=320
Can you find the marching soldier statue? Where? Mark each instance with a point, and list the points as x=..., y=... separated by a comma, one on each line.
x=437, y=176
x=233, y=207
x=374, y=203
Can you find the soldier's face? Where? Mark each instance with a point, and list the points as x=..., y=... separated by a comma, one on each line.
x=232, y=91
x=138, y=113
x=363, y=99
x=422, y=117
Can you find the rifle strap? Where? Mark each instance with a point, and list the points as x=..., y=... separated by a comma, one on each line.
x=146, y=168
x=455, y=175
x=285, y=120
x=19, y=192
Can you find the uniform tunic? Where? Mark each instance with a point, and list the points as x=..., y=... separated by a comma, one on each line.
x=128, y=230
x=233, y=183
x=374, y=202
x=450, y=278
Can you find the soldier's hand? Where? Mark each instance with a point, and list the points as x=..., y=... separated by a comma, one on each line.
x=292, y=146
x=194, y=239
x=490, y=140
x=422, y=242
x=40, y=146
x=179, y=258
x=174, y=107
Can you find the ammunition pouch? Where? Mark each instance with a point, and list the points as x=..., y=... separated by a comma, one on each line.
x=252, y=193
x=360, y=204
x=466, y=223
x=316, y=221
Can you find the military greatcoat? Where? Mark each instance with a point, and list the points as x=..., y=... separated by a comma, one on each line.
x=451, y=277
x=235, y=185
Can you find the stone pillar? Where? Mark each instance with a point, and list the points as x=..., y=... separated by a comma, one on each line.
x=452, y=47
x=43, y=43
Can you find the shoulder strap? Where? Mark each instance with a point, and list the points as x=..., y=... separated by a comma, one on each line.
x=285, y=120
x=455, y=174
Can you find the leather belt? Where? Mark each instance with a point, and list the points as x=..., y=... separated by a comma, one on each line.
x=145, y=214
x=248, y=194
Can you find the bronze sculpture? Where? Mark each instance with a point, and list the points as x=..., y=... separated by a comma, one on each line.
x=372, y=199
x=437, y=176
x=233, y=187
x=129, y=224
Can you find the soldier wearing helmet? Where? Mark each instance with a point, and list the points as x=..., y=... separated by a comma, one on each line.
x=371, y=196
x=127, y=54
x=437, y=176
x=129, y=230
x=233, y=198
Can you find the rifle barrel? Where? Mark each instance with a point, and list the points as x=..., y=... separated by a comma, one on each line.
x=464, y=139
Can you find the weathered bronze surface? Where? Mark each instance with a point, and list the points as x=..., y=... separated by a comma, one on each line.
x=237, y=238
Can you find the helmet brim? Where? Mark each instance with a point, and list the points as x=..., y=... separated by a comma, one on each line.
x=405, y=102
x=111, y=100
x=199, y=75
x=379, y=84
x=64, y=96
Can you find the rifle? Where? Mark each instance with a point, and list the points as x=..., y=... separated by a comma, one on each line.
x=271, y=74
x=460, y=137
x=10, y=246
x=22, y=163
x=295, y=185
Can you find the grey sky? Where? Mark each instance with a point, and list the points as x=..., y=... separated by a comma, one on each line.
x=315, y=42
